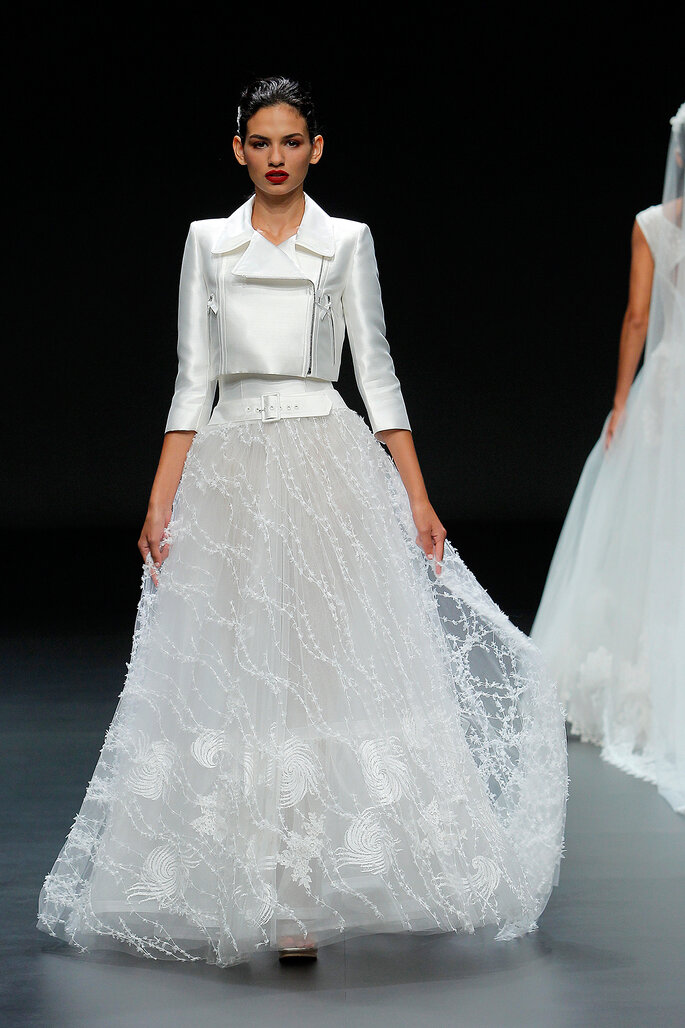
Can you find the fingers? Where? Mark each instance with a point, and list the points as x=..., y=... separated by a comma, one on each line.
x=152, y=568
x=156, y=551
x=152, y=558
x=425, y=540
x=432, y=542
x=165, y=543
x=615, y=421
x=431, y=534
x=440, y=551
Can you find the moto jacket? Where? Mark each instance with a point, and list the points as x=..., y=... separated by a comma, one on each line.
x=246, y=307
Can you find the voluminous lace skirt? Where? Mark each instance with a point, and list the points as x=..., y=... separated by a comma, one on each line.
x=316, y=734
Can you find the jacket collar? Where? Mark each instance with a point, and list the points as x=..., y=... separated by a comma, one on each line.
x=315, y=234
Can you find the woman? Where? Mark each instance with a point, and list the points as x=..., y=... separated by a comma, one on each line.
x=325, y=729
x=612, y=616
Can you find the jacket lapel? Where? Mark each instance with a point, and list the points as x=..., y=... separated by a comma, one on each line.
x=316, y=230
x=237, y=229
x=261, y=259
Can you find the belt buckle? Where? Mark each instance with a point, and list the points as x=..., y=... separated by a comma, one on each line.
x=271, y=407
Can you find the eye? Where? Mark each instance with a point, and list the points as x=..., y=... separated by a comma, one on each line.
x=294, y=143
x=258, y=144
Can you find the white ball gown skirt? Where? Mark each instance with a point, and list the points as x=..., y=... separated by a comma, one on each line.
x=317, y=735
x=612, y=618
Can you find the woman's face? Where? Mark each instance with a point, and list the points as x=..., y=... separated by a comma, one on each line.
x=277, y=150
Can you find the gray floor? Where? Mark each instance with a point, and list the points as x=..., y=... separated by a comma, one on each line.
x=609, y=951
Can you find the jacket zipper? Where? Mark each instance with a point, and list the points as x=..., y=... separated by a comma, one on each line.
x=221, y=295
x=213, y=313
x=311, y=328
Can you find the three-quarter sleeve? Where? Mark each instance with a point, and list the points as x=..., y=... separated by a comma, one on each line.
x=373, y=367
x=191, y=405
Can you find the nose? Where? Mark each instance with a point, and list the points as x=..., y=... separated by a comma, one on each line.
x=276, y=158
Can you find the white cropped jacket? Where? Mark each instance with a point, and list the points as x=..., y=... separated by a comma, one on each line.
x=246, y=308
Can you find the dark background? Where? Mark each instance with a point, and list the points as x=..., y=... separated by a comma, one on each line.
x=499, y=166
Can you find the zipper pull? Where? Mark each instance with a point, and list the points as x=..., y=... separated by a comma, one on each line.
x=323, y=302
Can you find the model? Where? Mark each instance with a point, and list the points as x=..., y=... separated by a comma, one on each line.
x=612, y=616
x=326, y=729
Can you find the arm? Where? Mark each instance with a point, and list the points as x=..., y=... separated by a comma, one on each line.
x=634, y=328
x=381, y=392
x=191, y=404
x=174, y=451
x=431, y=534
x=373, y=367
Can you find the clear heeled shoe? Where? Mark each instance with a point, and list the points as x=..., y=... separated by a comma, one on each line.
x=296, y=948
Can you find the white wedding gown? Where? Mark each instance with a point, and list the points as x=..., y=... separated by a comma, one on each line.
x=317, y=734
x=612, y=618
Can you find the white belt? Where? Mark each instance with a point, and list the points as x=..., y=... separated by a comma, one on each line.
x=275, y=406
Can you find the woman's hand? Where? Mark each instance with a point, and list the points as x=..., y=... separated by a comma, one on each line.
x=614, y=421
x=152, y=543
x=431, y=534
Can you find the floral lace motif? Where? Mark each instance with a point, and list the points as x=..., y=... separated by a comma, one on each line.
x=315, y=729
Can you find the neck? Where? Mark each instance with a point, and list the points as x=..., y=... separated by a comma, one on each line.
x=277, y=212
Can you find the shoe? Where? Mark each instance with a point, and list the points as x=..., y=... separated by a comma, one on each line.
x=295, y=948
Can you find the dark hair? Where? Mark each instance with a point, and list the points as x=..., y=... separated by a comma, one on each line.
x=270, y=92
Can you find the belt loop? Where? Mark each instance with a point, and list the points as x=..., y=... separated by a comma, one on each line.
x=271, y=407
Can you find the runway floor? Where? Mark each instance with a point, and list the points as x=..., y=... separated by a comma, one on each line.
x=610, y=949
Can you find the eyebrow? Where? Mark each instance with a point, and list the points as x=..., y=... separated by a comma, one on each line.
x=291, y=135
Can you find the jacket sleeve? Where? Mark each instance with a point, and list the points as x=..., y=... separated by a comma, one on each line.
x=365, y=322
x=191, y=405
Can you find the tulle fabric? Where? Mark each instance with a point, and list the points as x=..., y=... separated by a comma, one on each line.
x=612, y=617
x=317, y=734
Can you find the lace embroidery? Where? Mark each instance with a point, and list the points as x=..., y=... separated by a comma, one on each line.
x=152, y=766
x=368, y=844
x=301, y=849
x=310, y=714
x=165, y=873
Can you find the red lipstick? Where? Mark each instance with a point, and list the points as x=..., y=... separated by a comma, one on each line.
x=277, y=176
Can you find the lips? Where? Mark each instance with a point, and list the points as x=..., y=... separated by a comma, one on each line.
x=277, y=176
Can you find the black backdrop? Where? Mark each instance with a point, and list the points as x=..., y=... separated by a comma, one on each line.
x=499, y=167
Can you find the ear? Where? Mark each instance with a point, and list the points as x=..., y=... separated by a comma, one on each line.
x=317, y=150
x=238, y=150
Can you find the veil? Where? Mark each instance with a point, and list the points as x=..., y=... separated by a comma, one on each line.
x=665, y=351
x=668, y=289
